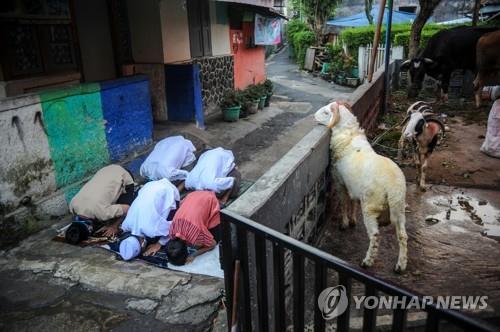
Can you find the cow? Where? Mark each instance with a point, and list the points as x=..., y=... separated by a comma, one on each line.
x=445, y=52
x=488, y=63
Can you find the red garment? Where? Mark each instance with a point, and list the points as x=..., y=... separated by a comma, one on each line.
x=198, y=213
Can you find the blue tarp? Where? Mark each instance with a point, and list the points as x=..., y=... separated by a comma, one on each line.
x=359, y=20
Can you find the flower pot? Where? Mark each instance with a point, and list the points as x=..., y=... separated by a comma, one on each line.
x=268, y=100
x=231, y=114
x=262, y=102
x=354, y=72
x=252, y=107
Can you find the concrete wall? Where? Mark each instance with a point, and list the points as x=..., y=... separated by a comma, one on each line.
x=92, y=21
x=145, y=31
x=175, y=31
x=51, y=141
x=219, y=28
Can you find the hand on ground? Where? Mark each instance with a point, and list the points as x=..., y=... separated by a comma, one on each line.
x=108, y=231
x=152, y=249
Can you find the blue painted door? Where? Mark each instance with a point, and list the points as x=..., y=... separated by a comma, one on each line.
x=183, y=90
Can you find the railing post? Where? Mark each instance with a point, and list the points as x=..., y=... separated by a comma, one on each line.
x=246, y=310
x=398, y=320
x=343, y=320
x=298, y=292
x=369, y=315
x=319, y=286
x=279, y=288
x=227, y=264
x=261, y=273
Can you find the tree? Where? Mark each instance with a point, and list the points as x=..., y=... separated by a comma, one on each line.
x=426, y=9
x=317, y=12
x=368, y=10
x=475, y=12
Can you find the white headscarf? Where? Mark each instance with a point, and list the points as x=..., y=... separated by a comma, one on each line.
x=210, y=173
x=147, y=216
x=167, y=159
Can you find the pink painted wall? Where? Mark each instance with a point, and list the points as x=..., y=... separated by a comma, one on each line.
x=249, y=63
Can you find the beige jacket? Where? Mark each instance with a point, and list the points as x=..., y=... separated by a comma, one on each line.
x=97, y=198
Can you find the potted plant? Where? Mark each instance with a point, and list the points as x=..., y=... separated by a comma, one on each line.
x=268, y=85
x=261, y=91
x=231, y=105
x=251, y=99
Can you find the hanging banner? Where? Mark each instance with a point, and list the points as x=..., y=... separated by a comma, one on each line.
x=267, y=30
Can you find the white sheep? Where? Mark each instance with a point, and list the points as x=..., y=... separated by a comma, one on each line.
x=424, y=132
x=363, y=176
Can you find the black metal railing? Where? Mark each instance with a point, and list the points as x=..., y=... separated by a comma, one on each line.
x=255, y=314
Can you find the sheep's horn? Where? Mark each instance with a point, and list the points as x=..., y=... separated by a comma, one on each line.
x=418, y=105
x=334, y=108
x=346, y=105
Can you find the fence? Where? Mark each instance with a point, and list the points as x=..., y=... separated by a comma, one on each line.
x=263, y=314
x=364, y=58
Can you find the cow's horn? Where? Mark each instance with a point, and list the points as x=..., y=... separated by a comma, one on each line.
x=427, y=60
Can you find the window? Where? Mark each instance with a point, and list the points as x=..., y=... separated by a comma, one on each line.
x=199, y=28
x=38, y=38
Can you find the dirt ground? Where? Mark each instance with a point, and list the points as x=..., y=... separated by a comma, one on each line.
x=457, y=160
x=448, y=250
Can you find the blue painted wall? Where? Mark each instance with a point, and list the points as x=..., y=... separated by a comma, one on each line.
x=126, y=107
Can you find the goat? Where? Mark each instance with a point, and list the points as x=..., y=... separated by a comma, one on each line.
x=424, y=132
x=362, y=176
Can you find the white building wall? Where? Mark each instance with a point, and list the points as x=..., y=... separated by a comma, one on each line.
x=219, y=28
x=174, y=30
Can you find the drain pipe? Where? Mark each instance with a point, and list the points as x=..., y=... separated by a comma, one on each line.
x=387, y=78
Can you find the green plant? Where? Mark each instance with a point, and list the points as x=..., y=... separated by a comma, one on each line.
x=253, y=92
x=302, y=41
x=269, y=87
x=231, y=98
x=361, y=36
x=293, y=27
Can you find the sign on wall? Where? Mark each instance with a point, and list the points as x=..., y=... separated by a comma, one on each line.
x=267, y=30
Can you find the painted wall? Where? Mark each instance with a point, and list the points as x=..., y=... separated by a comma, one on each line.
x=145, y=31
x=219, y=28
x=175, y=31
x=92, y=21
x=55, y=139
x=249, y=63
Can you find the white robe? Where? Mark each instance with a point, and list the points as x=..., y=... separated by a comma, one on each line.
x=148, y=213
x=167, y=158
x=210, y=173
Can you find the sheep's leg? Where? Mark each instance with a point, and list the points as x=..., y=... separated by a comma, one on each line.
x=345, y=206
x=398, y=218
x=370, y=222
x=423, y=168
x=354, y=213
x=416, y=156
x=401, y=145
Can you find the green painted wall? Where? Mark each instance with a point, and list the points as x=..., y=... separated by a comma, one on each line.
x=75, y=128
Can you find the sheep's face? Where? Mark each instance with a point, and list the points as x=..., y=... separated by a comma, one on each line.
x=336, y=115
x=323, y=115
x=415, y=124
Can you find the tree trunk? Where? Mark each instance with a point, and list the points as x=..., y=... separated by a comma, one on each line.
x=475, y=14
x=416, y=30
x=368, y=10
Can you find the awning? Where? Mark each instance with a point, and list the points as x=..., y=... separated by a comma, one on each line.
x=262, y=7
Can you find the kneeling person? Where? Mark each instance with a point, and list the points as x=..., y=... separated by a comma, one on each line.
x=106, y=196
x=196, y=223
x=149, y=218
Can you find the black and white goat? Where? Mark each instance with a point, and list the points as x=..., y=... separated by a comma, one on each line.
x=424, y=131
